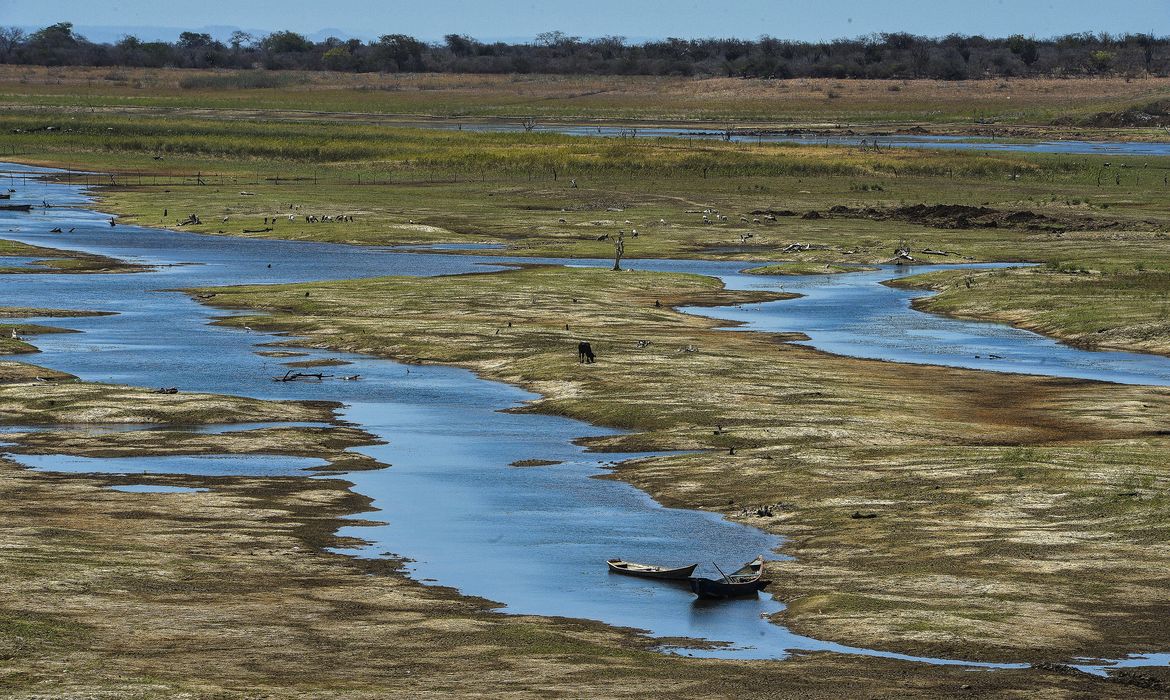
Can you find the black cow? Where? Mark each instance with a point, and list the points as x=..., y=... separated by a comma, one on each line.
x=585, y=353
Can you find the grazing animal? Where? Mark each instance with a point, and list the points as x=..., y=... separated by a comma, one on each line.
x=585, y=353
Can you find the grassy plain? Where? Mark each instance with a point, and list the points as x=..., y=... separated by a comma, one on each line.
x=977, y=106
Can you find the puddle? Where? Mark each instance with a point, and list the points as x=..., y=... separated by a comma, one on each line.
x=153, y=488
x=194, y=465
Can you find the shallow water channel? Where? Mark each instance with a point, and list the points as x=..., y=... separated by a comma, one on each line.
x=938, y=141
x=450, y=501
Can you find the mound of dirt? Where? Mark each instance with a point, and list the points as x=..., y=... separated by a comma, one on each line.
x=773, y=212
x=1153, y=114
x=951, y=216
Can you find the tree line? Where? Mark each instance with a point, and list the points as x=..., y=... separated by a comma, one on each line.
x=888, y=55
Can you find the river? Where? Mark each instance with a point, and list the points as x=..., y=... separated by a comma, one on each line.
x=452, y=503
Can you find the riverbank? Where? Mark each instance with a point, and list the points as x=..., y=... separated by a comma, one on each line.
x=1087, y=308
x=49, y=260
x=232, y=591
x=849, y=455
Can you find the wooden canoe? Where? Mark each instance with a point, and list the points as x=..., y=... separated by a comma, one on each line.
x=745, y=581
x=630, y=568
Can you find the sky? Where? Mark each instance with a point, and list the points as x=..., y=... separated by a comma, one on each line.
x=520, y=20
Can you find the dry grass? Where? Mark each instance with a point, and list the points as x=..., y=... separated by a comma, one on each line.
x=824, y=102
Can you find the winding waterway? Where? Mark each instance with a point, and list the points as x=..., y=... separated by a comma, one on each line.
x=895, y=140
x=451, y=502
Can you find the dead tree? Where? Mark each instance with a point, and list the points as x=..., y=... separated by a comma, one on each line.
x=619, y=250
x=529, y=124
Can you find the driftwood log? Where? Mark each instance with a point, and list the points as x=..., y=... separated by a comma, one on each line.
x=292, y=376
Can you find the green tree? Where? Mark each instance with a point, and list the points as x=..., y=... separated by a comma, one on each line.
x=338, y=58
x=57, y=35
x=286, y=42
x=192, y=40
x=1101, y=61
x=398, y=52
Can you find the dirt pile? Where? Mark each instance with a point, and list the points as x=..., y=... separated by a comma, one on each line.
x=953, y=216
x=1153, y=114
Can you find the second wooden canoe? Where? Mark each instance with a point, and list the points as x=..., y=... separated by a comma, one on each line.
x=746, y=581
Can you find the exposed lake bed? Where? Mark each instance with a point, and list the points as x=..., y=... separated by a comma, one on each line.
x=418, y=426
x=420, y=452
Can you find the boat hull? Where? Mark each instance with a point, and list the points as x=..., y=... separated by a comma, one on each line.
x=746, y=581
x=654, y=572
x=710, y=589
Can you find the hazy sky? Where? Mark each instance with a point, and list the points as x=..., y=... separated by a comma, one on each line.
x=637, y=19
